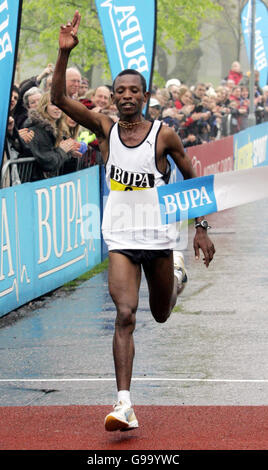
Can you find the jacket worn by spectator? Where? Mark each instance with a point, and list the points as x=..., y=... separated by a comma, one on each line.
x=50, y=158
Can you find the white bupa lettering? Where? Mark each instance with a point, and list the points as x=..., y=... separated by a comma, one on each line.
x=129, y=178
x=260, y=54
x=70, y=216
x=133, y=48
x=185, y=200
x=5, y=245
x=5, y=41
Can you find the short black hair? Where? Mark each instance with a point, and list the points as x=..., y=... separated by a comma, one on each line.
x=132, y=72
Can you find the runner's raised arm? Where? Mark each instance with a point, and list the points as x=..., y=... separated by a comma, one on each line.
x=96, y=122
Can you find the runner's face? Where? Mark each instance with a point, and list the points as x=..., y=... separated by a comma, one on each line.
x=128, y=95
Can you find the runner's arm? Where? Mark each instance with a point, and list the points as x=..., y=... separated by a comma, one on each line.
x=175, y=149
x=96, y=122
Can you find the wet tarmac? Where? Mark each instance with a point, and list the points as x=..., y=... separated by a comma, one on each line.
x=212, y=351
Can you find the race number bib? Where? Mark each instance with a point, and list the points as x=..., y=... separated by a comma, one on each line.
x=124, y=180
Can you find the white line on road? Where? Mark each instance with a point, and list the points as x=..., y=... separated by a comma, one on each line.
x=138, y=379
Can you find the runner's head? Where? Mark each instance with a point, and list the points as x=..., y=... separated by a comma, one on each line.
x=131, y=72
x=129, y=93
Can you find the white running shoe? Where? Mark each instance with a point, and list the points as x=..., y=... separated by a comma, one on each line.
x=179, y=268
x=122, y=418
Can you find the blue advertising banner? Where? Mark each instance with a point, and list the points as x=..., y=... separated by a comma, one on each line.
x=10, y=13
x=186, y=196
x=144, y=217
x=49, y=234
x=251, y=147
x=261, y=37
x=129, y=28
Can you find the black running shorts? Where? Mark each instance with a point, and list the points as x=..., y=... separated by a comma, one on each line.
x=143, y=256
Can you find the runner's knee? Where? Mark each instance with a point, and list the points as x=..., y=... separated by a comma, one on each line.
x=126, y=318
x=161, y=316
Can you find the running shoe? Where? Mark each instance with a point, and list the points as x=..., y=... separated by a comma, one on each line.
x=121, y=419
x=179, y=267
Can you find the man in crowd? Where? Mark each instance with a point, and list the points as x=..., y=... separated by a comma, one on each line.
x=73, y=82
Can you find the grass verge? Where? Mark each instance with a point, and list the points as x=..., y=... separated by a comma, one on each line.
x=99, y=268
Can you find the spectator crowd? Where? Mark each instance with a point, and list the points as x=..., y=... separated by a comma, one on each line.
x=58, y=145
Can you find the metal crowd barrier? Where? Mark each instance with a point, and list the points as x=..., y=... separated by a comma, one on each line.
x=24, y=170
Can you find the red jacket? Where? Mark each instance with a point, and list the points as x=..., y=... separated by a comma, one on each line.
x=235, y=76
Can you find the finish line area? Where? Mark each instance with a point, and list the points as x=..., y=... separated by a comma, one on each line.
x=200, y=380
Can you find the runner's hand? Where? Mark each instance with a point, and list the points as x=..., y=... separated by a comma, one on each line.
x=68, y=33
x=201, y=240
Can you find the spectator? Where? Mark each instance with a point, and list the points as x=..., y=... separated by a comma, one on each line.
x=71, y=130
x=223, y=100
x=171, y=82
x=70, y=127
x=164, y=97
x=21, y=112
x=83, y=89
x=154, y=109
x=230, y=121
x=246, y=81
x=173, y=86
x=101, y=98
x=245, y=98
x=15, y=147
x=236, y=95
x=48, y=146
x=265, y=102
x=31, y=98
x=73, y=82
x=235, y=73
x=47, y=83
x=230, y=85
x=14, y=99
x=198, y=92
x=185, y=98
x=87, y=100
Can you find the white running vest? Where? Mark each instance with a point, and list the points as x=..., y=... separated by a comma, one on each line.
x=134, y=169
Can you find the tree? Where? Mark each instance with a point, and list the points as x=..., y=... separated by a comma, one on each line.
x=178, y=34
x=177, y=28
x=228, y=33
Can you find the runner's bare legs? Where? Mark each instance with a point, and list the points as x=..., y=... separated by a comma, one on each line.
x=124, y=283
x=163, y=287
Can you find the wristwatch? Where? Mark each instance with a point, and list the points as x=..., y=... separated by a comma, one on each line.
x=203, y=224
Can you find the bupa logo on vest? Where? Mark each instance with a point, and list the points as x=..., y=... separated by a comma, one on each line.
x=187, y=199
x=123, y=180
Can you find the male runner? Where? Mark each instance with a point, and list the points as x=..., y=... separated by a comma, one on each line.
x=138, y=147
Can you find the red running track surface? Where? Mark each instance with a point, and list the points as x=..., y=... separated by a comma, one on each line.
x=161, y=427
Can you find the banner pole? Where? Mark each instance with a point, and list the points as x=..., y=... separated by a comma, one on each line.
x=153, y=58
x=251, y=116
x=7, y=75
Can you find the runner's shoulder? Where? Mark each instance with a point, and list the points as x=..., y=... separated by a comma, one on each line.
x=167, y=134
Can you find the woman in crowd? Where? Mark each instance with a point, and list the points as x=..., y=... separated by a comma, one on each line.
x=71, y=130
x=48, y=146
x=184, y=97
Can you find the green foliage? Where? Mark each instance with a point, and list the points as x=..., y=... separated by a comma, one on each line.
x=178, y=20
x=40, y=30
